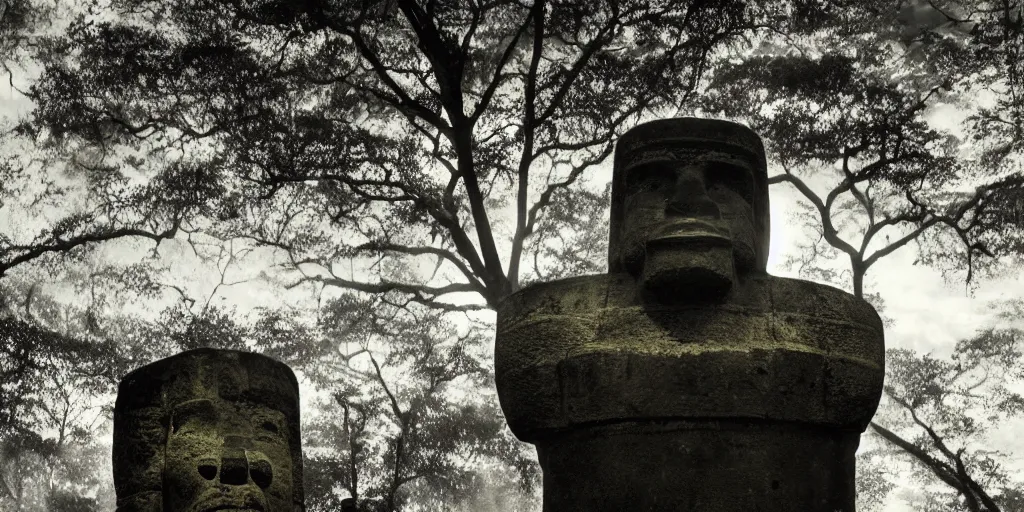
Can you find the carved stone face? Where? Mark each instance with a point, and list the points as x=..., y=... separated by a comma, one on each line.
x=688, y=227
x=225, y=455
x=208, y=430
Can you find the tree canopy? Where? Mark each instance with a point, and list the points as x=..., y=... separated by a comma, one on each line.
x=862, y=112
x=390, y=132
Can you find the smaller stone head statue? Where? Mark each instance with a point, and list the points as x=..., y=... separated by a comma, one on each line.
x=208, y=430
x=689, y=206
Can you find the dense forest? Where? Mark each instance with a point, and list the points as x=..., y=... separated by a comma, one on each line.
x=351, y=186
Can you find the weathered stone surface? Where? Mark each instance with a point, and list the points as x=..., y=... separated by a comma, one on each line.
x=688, y=378
x=208, y=430
x=766, y=353
x=714, y=465
x=690, y=141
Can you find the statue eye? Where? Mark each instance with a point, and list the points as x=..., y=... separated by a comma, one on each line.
x=731, y=177
x=269, y=432
x=649, y=178
x=197, y=415
x=208, y=470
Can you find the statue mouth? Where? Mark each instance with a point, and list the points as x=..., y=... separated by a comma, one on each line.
x=233, y=508
x=249, y=504
x=691, y=233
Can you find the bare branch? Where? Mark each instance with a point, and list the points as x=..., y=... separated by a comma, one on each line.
x=828, y=229
x=421, y=250
x=62, y=245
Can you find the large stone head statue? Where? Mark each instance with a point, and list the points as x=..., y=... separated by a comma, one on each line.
x=689, y=206
x=208, y=430
x=688, y=378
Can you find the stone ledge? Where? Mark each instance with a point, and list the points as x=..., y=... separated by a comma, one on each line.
x=789, y=386
x=583, y=350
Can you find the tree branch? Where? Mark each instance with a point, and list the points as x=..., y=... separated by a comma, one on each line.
x=828, y=229
x=528, y=127
x=59, y=245
x=442, y=253
x=404, y=102
x=942, y=470
x=492, y=87
x=426, y=295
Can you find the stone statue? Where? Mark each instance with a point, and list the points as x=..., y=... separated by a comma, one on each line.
x=687, y=378
x=208, y=430
x=689, y=210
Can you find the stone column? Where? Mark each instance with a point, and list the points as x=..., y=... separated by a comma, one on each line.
x=208, y=430
x=688, y=378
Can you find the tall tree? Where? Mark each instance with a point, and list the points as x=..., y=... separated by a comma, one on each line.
x=402, y=422
x=848, y=106
x=381, y=130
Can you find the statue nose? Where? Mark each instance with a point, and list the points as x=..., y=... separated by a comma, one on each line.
x=691, y=197
x=234, y=467
x=238, y=465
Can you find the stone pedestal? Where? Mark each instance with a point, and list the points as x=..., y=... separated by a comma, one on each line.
x=752, y=402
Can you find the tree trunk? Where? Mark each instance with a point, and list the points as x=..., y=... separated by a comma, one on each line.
x=858, y=278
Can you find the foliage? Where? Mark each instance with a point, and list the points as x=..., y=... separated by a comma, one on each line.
x=844, y=114
x=401, y=424
x=941, y=412
x=384, y=130
x=22, y=22
x=213, y=328
x=875, y=478
x=19, y=367
x=48, y=452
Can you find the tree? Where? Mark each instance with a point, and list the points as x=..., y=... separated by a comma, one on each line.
x=35, y=182
x=847, y=106
x=402, y=425
x=940, y=411
x=899, y=177
x=385, y=131
x=48, y=454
